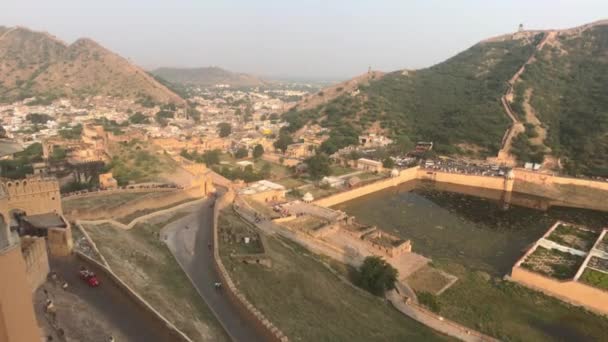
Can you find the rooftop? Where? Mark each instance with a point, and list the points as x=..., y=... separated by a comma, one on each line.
x=43, y=221
x=261, y=186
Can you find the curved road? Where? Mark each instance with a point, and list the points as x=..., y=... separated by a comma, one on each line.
x=188, y=239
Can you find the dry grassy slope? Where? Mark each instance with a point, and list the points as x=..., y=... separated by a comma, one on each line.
x=81, y=69
x=333, y=91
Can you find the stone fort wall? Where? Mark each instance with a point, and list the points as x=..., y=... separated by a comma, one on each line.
x=36, y=260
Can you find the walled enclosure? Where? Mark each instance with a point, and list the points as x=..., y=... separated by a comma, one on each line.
x=556, y=190
x=201, y=186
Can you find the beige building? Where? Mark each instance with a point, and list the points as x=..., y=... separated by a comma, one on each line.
x=107, y=181
x=369, y=165
x=300, y=150
x=264, y=191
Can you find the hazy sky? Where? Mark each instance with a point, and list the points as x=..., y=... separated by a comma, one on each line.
x=329, y=39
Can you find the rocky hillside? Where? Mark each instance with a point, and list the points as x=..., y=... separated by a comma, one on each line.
x=559, y=97
x=207, y=77
x=38, y=64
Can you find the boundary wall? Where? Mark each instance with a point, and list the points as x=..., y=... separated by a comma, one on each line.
x=130, y=207
x=545, y=189
x=260, y=322
x=569, y=291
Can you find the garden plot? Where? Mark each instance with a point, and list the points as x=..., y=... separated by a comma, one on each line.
x=573, y=237
x=553, y=263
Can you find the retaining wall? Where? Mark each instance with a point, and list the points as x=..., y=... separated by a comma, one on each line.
x=172, y=331
x=143, y=203
x=563, y=191
x=570, y=291
x=250, y=312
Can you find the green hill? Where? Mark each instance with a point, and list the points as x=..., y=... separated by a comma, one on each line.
x=454, y=103
x=560, y=98
x=568, y=87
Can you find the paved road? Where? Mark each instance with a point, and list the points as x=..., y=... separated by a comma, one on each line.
x=117, y=308
x=188, y=239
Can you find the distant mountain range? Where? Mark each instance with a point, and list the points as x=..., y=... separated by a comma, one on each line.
x=38, y=64
x=207, y=77
x=554, y=82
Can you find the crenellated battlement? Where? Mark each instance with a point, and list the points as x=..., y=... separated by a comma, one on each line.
x=31, y=186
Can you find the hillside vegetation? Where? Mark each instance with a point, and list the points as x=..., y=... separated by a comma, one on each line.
x=569, y=83
x=208, y=76
x=560, y=98
x=38, y=64
x=451, y=103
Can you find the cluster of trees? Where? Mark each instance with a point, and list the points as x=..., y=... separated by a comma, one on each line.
x=37, y=118
x=318, y=166
x=208, y=158
x=71, y=132
x=375, y=275
x=224, y=129
x=139, y=118
x=247, y=174
x=21, y=164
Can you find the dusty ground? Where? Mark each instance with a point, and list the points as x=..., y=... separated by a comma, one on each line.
x=430, y=279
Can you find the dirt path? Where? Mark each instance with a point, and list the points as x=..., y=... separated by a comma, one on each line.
x=531, y=118
x=517, y=127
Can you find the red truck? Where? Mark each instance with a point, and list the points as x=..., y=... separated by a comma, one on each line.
x=89, y=277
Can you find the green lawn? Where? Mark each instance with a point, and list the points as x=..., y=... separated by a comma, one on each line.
x=512, y=312
x=146, y=264
x=308, y=302
x=339, y=170
x=595, y=278
x=290, y=182
x=139, y=162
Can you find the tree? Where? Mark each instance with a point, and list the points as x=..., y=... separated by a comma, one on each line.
x=241, y=153
x=258, y=151
x=318, y=166
x=283, y=141
x=376, y=275
x=211, y=157
x=224, y=129
x=388, y=163
x=138, y=118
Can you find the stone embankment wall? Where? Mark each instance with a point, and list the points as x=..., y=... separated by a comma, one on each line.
x=563, y=191
x=143, y=203
x=405, y=176
x=171, y=330
x=262, y=324
x=545, y=190
x=569, y=291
